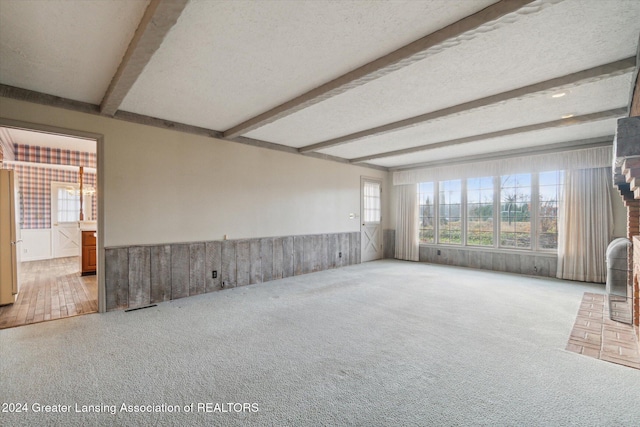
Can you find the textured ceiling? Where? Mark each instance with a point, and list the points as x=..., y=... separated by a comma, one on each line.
x=260, y=54
x=65, y=48
x=328, y=68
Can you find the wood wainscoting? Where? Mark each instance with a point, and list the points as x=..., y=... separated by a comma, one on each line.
x=137, y=276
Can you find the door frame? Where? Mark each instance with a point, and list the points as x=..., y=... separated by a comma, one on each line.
x=364, y=178
x=100, y=173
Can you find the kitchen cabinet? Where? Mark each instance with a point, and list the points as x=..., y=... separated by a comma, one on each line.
x=89, y=253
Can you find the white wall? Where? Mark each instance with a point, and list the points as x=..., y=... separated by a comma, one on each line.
x=36, y=245
x=162, y=186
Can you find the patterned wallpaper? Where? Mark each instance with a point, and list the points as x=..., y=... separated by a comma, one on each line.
x=35, y=182
x=36, y=154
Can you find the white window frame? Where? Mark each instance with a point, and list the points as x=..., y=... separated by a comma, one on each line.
x=87, y=202
x=497, y=215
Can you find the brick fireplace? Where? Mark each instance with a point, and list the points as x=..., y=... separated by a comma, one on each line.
x=626, y=175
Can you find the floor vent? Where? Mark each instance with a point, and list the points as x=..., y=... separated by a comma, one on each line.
x=140, y=308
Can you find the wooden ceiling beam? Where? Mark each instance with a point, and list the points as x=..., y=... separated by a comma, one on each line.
x=26, y=95
x=601, y=115
x=400, y=58
x=159, y=17
x=586, y=76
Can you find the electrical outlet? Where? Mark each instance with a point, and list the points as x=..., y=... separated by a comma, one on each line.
x=339, y=254
x=214, y=274
x=535, y=268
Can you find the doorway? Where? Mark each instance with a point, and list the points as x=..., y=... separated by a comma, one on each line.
x=371, y=214
x=57, y=170
x=66, y=209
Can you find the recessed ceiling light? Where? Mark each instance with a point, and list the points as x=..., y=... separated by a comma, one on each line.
x=567, y=116
x=558, y=95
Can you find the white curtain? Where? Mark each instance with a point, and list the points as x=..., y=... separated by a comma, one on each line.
x=585, y=158
x=585, y=225
x=407, y=246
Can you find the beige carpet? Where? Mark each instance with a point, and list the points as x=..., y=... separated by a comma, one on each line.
x=384, y=343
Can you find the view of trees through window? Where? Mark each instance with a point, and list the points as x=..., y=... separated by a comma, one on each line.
x=427, y=212
x=551, y=186
x=480, y=211
x=527, y=217
x=450, y=212
x=515, y=212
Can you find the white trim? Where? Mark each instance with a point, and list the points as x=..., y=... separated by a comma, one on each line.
x=7, y=145
x=70, y=168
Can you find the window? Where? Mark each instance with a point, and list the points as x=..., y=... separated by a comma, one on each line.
x=480, y=211
x=65, y=203
x=68, y=205
x=371, y=202
x=427, y=212
x=550, y=186
x=515, y=213
x=518, y=211
x=449, y=209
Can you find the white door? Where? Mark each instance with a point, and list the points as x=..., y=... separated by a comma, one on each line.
x=65, y=215
x=371, y=215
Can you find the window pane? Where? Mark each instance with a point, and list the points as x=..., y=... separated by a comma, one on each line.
x=371, y=202
x=68, y=205
x=480, y=211
x=449, y=223
x=515, y=214
x=550, y=189
x=426, y=212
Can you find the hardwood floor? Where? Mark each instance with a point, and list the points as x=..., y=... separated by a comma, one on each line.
x=50, y=289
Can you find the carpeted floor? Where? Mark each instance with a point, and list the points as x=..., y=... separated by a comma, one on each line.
x=383, y=343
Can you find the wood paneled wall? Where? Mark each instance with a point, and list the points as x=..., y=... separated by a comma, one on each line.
x=141, y=275
x=389, y=244
x=532, y=264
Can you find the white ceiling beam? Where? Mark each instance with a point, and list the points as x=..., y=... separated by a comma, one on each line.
x=159, y=17
x=601, y=115
x=586, y=76
x=400, y=58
